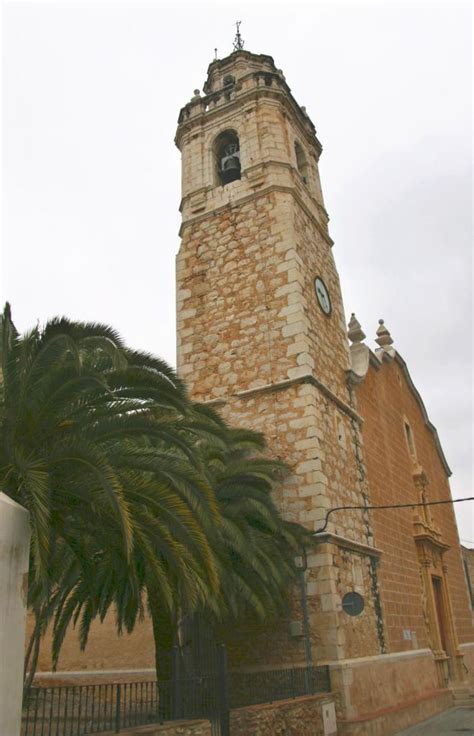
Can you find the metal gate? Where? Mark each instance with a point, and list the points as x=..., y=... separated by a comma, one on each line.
x=201, y=658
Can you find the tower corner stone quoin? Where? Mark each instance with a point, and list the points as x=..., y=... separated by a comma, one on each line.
x=261, y=335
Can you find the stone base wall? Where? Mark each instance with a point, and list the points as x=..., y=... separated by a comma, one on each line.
x=179, y=728
x=378, y=696
x=298, y=717
x=366, y=685
x=391, y=720
x=467, y=650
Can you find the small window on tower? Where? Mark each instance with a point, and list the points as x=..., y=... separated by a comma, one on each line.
x=301, y=162
x=227, y=151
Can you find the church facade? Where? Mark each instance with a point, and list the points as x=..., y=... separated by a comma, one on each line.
x=262, y=336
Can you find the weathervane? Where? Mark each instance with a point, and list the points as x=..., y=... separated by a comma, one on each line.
x=238, y=42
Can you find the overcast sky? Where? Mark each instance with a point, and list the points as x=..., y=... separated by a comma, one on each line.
x=91, y=176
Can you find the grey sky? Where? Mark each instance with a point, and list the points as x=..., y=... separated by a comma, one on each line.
x=91, y=177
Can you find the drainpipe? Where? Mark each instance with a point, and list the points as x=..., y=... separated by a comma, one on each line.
x=301, y=565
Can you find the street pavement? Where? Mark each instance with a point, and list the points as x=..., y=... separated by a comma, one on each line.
x=453, y=722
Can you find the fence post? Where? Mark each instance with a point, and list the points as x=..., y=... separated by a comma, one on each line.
x=222, y=691
x=117, y=707
x=176, y=705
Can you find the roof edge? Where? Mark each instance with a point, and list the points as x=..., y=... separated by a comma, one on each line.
x=398, y=358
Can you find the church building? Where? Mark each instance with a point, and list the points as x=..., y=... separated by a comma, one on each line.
x=262, y=337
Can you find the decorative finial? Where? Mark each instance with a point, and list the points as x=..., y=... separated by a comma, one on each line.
x=238, y=42
x=355, y=332
x=384, y=338
x=215, y=54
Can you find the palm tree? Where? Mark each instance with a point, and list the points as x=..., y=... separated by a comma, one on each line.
x=91, y=445
x=138, y=499
x=254, y=546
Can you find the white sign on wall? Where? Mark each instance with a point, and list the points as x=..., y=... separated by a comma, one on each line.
x=329, y=719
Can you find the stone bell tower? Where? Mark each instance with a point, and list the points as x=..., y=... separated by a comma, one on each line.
x=262, y=335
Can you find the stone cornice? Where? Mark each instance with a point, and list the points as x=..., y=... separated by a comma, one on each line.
x=377, y=658
x=429, y=538
x=281, y=93
x=288, y=383
x=345, y=543
x=374, y=361
x=253, y=196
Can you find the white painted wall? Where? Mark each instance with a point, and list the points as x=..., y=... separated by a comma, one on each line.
x=14, y=554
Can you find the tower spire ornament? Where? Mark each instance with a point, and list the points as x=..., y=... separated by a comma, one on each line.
x=355, y=332
x=238, y=40
x=385, y=341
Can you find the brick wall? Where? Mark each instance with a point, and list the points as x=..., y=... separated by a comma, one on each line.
x=105, y=649
x=386, y=401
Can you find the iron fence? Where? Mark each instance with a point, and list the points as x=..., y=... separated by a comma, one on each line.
x=77, y=710
x=86, y=709
x=251, y=688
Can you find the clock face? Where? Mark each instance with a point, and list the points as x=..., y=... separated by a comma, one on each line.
x=322, y=295
x=353, y=604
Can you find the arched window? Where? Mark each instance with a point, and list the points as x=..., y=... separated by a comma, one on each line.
x=227, y=150
x=301, y=162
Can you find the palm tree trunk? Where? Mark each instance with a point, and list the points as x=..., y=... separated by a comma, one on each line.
x=31, y=657
x=164, y=635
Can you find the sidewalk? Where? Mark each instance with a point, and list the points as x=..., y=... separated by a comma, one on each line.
x=453, y=722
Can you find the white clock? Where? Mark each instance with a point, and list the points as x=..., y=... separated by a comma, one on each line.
x=322, y=295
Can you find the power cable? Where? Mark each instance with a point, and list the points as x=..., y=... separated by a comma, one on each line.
x=392, y=506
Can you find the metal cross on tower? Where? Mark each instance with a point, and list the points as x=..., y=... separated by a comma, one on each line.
x=238, y=41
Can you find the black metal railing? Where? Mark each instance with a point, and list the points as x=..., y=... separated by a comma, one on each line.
x=251, y=688
x=86, y=709
x=90, y=709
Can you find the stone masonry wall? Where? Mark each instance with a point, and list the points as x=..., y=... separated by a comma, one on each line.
x=303, y=428
x=298, y=717
x=248, y=318
x=179, y=728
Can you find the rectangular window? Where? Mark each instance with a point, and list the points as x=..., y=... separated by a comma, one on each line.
x=410, y=440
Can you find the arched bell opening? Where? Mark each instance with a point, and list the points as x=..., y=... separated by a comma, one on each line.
x=301, y=162
x=227, y=151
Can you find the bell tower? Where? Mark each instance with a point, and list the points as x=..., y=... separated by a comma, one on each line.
x=262, y=335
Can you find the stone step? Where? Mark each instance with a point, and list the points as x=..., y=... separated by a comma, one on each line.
x=464, y=698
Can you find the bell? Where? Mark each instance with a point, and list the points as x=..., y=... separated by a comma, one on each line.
x=230, y=164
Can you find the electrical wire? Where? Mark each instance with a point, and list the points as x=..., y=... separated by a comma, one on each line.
x=392, y=506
